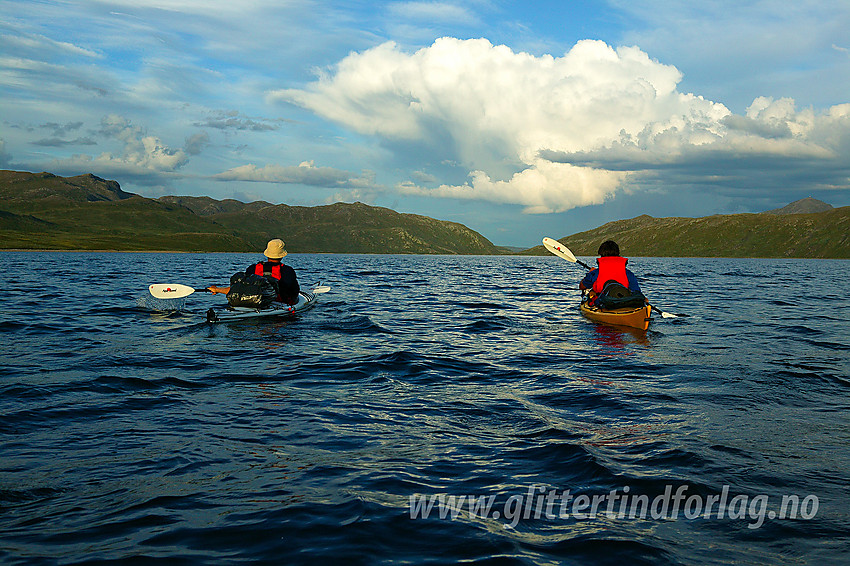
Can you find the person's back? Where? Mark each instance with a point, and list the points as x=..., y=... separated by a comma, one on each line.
x=281, y=276
x=612, y=268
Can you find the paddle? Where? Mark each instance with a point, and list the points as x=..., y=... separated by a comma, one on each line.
x=666, y=314
x=177, y=291
x=564, y=252
x=172, y=290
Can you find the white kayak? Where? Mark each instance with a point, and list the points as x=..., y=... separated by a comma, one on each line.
x=226, y=313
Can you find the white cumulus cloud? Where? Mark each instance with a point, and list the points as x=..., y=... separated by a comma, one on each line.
x=305, y=173
x=496, y=110
x=553, y=133
x=544, y=187
x=142, y=155
x=773, y=145
x=140, y=150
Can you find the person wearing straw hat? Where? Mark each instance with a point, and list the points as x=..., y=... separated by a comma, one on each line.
x=282, y=276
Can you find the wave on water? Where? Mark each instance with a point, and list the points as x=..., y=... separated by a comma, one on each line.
x=354, y=324
x=483, y=306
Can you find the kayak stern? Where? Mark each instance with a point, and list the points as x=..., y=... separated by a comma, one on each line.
x=639, y=317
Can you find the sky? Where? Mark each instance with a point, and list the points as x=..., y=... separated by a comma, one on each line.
x=517, y=119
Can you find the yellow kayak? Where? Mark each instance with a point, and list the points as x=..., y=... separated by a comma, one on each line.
x=632, y=317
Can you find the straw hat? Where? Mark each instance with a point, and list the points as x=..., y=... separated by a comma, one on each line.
x=274, y=250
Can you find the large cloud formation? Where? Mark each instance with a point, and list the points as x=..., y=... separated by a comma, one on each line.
x=554, y=133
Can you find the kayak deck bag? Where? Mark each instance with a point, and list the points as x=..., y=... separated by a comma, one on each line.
x=249, y=290
x=617, y=296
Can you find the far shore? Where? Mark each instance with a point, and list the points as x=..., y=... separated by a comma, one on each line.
x=373, y=253
x=113, y=251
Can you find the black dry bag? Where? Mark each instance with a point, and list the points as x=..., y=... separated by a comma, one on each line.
x=618, y=296
x=249, y=290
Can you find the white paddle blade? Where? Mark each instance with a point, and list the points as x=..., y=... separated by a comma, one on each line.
x=170, y=291
x=559, y=249
x=320, y=290
x=666, y=314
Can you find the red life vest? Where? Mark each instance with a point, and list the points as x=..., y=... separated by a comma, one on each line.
x=611, y=267
x=272, y=271
x=260, y=269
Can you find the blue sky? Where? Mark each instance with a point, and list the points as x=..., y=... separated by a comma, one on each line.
x=517, y=119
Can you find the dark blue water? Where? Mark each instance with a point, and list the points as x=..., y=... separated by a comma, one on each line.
x=131, y=434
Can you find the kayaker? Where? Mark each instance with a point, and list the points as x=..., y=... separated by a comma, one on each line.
x=281, y=275
x=612, y=267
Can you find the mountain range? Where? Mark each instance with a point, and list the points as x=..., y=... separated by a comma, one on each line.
x=85, y=212
x=44, y=211
x=807, y=228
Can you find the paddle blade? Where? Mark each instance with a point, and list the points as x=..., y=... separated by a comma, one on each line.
x=320, y=290
x=559, y=249
x=170, y=291
x=666, y=314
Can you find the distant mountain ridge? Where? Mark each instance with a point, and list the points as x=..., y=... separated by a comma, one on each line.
x=44, y=211
x=824, y=234
x=807, y=205
x=86, y=212
x=207, y=206
x=82, y=188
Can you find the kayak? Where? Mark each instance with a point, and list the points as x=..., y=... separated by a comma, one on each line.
x=638, y=317
x=276, y=311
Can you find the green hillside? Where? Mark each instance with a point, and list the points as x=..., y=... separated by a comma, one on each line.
x=350, y=228
x=43, y=211
x=812, y=235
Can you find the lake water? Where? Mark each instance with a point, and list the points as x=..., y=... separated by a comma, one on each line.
x=359, y=432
